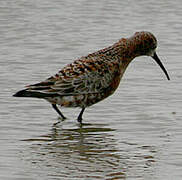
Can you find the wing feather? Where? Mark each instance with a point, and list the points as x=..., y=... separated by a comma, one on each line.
x=80, y=77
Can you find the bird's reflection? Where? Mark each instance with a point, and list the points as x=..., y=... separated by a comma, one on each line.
x=88, y=151
x=87, y=141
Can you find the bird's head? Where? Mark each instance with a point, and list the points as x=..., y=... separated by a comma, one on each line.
x=146, y=44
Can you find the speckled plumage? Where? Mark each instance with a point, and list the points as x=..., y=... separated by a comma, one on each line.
x=92, y=78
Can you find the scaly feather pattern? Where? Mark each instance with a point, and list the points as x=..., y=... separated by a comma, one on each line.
x=81, y=83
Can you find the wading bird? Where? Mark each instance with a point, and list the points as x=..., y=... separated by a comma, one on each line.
x=94, y=77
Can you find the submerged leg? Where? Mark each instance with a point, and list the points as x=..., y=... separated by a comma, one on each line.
x=58, y=111
x=80, y=115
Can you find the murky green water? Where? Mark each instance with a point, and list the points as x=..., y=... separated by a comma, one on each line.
x=135, y=134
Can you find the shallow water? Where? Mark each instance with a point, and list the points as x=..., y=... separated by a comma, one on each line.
x=135, y=134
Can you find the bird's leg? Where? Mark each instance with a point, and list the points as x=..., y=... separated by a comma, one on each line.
x=58, y=111
x=80, y=115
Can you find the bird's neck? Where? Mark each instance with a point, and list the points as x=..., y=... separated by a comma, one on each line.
x=127, y=49
x=124, y=51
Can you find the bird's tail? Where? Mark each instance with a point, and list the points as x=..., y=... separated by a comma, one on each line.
x=29, y=93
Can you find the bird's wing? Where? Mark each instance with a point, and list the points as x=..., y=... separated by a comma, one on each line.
x=81, y=77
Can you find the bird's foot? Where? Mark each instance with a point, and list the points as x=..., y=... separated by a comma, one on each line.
x=60, y=119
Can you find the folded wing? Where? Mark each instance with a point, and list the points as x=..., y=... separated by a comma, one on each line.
x=81, y=77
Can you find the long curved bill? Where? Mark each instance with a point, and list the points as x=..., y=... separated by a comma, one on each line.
x=155, y=57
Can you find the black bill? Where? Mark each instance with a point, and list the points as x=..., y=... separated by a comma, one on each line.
x=155, y=57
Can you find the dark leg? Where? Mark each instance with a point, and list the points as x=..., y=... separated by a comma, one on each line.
x=58, y=111
x=80, y=115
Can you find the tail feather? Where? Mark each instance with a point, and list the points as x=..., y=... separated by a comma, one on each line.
x=28, y=93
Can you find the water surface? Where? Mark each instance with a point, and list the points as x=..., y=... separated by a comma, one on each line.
x=135, y=134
